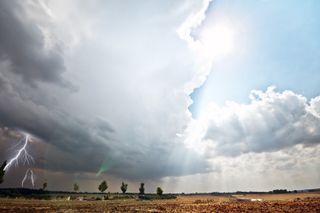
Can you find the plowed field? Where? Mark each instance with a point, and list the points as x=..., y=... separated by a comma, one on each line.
x=181, y=204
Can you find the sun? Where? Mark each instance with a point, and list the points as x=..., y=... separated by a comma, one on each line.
x=216, y=41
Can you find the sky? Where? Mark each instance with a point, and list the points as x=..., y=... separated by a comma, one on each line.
x=192, y=96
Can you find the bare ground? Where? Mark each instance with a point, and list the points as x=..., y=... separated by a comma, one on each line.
x=301, y=202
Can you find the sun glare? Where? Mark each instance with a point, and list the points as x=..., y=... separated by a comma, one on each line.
x=216, y=42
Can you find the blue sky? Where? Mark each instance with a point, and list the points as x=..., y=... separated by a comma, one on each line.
x=280, y=46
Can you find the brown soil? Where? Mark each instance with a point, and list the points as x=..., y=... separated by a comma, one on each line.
x=181, y=204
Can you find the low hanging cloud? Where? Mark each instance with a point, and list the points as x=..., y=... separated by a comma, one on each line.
x=272, y=121
x=75, y=145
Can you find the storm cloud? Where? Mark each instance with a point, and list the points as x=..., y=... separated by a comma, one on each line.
x=33, y=101
x=22, y=46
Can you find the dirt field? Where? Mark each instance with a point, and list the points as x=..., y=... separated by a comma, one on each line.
x=307, y=202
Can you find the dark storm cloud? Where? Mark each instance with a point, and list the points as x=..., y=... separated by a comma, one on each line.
x=160, y=161
x=65, y=134
x=23, y=53
x=77, y=146
x=22, y=45
x=104, y=126
x=3, y=84
x=72, y=144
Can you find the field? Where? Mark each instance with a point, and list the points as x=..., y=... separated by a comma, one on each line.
x=293, y=202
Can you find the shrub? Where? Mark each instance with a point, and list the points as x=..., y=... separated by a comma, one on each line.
x=124, y=187
x=2, y=171
x=75, y=187
x=141, y=189
x=103, y=186
x=159, y=191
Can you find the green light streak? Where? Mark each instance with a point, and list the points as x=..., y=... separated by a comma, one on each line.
x=106, y=165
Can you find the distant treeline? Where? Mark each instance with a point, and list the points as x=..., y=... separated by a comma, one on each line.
x=26, y=191
x=282, y=191
x=44, y=194
x=275, y=191
x=19, y=192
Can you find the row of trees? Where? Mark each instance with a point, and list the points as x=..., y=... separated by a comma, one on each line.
x=102, y=187
x=141, y=190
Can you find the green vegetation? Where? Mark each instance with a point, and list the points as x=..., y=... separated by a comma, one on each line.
x=141, y=189
x=159, y=191
x=44, y=185
x=2, y=171
x=103, y=186
x=124, y=187
x=279, y=191
x=75, y=187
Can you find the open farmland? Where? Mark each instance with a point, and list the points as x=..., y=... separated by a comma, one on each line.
x=300, y=202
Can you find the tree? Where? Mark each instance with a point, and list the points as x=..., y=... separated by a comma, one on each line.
x=75, y=187
x=44, y=185
x=124, y=187
x=2, y=171
x=159, y=191
x=103, y=186
x=141, y=189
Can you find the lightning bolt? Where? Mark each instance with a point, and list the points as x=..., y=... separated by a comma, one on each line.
x=30, y=172
x=25, y=158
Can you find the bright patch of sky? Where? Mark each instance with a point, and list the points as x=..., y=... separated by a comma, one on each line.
x=275, y=43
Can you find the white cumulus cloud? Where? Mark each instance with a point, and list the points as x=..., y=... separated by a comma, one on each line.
x=271, y=121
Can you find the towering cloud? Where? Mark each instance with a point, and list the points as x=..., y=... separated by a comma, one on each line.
x=271, y=122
